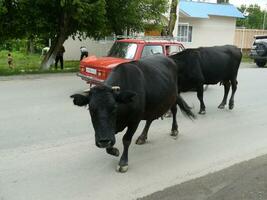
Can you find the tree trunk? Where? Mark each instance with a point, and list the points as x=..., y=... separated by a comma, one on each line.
x=49, y=58
x=56, y=43
x=173, y=17
x=30, y=45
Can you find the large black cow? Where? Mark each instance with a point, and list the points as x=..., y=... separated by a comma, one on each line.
x=208, y=65
x=134, y=91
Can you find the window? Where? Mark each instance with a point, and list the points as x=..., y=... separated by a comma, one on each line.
x=151, y=50
x=184, y=32
x=123, y=50
x=173, y=49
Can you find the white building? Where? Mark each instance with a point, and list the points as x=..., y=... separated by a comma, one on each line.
x=206, y=24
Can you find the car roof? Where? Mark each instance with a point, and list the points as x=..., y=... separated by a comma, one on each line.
x=260, y=36
x=150, y=41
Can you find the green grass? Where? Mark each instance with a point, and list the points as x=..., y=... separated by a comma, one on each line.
x=246, y=58
x=30, y=64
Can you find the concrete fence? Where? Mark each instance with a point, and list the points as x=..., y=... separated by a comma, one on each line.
x=98, y=48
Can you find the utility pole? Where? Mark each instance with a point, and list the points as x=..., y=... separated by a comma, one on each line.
x=264, y=18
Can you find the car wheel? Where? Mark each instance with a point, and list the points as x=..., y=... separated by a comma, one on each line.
x=261, y=49
x=260, y=63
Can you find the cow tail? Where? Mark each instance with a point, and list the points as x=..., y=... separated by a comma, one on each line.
x=186, y=109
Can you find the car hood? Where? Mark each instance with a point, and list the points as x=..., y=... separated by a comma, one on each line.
x=106, y=62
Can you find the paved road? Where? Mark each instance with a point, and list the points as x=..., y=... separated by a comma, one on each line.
x=47, y=145
x=243, y=181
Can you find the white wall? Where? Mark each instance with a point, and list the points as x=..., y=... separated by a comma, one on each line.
x=209, y=32
x=98, y=48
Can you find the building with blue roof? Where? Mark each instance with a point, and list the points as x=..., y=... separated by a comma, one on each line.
x=206, y=24
x=205, y=10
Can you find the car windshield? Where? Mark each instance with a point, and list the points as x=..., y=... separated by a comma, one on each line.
x=123, y=50
x=260, y=38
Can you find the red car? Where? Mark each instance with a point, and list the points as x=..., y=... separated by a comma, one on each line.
x=95, y=70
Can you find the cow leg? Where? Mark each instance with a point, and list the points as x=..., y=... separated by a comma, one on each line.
x=142, y=138
x=202, y=109
x=174, y=131
x=226, y=85
x=113, y=151
x=234, y=87
x=127, y=138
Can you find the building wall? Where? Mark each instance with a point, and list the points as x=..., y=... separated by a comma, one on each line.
x=210, y=32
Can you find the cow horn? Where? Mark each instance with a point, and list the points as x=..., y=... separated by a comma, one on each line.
x=115, y=88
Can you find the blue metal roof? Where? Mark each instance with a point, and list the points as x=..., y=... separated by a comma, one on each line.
x=203, y=9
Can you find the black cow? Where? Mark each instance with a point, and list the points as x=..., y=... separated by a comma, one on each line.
x=208, y=65
x=134, y=91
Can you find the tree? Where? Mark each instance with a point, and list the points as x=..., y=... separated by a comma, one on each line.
x=173, y=17
x=254, y=18
x=56, y=19
x=168, y=31
x=63, y=18
x=60, y=19
x=10, y=27
x=132, y=15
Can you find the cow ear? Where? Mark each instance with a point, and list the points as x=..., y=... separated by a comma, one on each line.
x=80, y=100
x=124, y=97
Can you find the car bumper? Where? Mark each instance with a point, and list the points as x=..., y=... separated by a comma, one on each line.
x=257, y=57
x=90, y=79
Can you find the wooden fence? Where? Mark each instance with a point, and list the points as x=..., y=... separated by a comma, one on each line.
x=245, y=37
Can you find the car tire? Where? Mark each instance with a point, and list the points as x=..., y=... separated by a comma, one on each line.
x=260, y=63
x=261, y=49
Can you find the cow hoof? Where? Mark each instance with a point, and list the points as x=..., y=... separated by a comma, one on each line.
x=174, y=133
x=122, y=169
x=221, y=106
x=231, y=106
x=140, y=141
x=202, y=112
x=113, y=151
x=116, y=152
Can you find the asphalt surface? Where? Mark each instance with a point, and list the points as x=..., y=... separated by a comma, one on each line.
x=244, y=181
x=47, y=146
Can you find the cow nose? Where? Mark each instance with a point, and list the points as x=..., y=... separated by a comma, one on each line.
x=104, y=143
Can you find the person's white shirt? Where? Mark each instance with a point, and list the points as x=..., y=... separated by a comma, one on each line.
x=45, y=50
x=83, y=49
